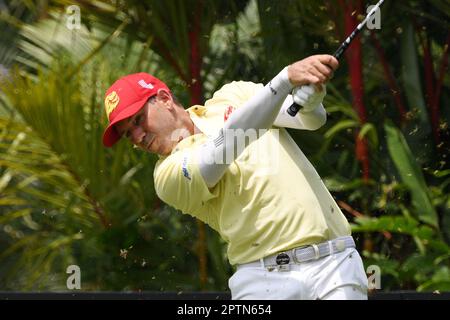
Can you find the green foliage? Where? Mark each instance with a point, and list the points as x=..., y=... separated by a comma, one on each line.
x=411, y=76
x=425, y=265
x=64, y=199
x=410, y=174
x=61, y=208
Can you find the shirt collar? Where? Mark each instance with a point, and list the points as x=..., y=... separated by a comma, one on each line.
x=208, y=120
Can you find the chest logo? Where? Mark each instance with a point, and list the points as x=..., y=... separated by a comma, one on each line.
x=228, y=111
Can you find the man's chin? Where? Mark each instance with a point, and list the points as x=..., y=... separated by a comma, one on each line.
x=163, y=152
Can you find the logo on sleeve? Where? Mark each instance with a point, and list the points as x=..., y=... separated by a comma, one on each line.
x=272, y=89
x=184, y=168
x=228, y=111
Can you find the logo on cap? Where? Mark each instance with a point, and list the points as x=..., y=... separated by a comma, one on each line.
x=146, y=85
x=111, y=102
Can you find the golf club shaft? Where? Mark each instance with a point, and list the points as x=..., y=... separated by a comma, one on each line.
x=294, y=108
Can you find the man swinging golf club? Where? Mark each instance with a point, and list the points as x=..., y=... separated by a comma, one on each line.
x=285, y=233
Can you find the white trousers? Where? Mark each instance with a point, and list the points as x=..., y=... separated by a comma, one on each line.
x=340, y=276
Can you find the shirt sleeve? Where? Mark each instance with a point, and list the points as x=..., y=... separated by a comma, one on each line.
x=235, y=94
x=178, y=183
x=312, y=120
x=257, y=115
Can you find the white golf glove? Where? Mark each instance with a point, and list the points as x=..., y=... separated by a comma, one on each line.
x=309, y=97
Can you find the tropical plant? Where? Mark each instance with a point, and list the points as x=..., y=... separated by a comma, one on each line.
x=65, y=199
x=376, y=177
x=126, y=227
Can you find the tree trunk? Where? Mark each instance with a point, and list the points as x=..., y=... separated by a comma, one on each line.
x=195, y=89
x=354, y=59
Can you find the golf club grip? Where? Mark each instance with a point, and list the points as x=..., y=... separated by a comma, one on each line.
x=294, y=108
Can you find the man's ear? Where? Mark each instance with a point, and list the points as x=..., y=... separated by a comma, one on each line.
x=165, y=97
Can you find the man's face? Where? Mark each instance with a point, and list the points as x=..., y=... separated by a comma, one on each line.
x=152, y=128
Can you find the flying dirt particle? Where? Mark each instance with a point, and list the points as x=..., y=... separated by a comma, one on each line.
x=123, y=253
x=415, y=130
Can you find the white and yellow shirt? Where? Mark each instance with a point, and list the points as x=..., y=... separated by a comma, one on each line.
x=270, y=199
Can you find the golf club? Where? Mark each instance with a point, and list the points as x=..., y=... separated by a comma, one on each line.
x=294, y=108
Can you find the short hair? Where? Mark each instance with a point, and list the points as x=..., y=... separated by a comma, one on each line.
x=174, y=98
x=177, y=102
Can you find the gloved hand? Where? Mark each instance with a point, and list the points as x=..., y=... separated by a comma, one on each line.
x=309, y=96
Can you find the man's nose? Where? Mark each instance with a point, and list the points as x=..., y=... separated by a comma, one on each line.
x=137, y=135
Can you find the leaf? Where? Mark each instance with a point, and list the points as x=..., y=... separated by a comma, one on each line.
x=410, y=174
x=395, y=224
x=411, y=76
x=369, y=128
x=6, y=217
x=338, y=185
x=345, y=109
x=440, y=281
x=341, y=125
x=441, y=173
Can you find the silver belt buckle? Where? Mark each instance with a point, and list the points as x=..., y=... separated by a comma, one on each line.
x=340, y=245
x=282, y=260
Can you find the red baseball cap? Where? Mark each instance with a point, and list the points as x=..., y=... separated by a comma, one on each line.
x=126, y=97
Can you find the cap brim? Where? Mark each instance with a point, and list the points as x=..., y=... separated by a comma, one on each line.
x=111, y=136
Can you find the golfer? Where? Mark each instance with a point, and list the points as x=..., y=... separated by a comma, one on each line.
x=232, y=164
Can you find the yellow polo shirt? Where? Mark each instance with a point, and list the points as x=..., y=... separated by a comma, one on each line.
x=270, y=199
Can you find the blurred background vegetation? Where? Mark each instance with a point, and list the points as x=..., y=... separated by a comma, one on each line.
x=64, y=199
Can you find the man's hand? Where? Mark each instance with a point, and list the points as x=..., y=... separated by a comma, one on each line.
x=309, y=96
x=316, y=69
